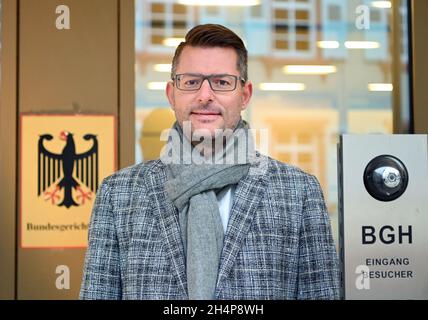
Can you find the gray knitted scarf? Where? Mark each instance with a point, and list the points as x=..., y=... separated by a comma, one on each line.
x=192, y=188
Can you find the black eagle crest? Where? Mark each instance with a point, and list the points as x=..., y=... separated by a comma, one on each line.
x=67, y=170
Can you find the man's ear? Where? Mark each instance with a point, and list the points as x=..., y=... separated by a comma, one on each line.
x=170, y=94
x=247, y=92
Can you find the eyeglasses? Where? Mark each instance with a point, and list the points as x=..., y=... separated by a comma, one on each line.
x=218, y=82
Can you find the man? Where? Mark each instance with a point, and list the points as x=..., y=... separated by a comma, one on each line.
x=192, y=225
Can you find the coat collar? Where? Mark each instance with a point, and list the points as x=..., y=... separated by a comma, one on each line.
x=170, y=227
x=245, y=205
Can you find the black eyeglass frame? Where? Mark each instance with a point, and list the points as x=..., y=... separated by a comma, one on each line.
x=207, y=77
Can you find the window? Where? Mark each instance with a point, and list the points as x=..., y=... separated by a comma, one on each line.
x=164, y=20
x=378, y=32
x=334, y=12
x=256, y=23
x=334, y=28
x=294, y=28
x=404, y=32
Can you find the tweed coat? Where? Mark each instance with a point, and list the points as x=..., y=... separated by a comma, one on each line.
x=278, y=243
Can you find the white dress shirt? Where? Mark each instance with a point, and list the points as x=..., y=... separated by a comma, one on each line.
x=225, y=200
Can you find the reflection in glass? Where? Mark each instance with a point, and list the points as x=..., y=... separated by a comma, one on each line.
x=305, y=112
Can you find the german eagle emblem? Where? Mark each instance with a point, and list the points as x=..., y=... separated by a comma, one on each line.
x=67, y=171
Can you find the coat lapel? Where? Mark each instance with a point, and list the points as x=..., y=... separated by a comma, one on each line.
x=170, y=228
x=244, y=208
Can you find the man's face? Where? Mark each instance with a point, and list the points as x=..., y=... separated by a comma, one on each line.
x=205, y=108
